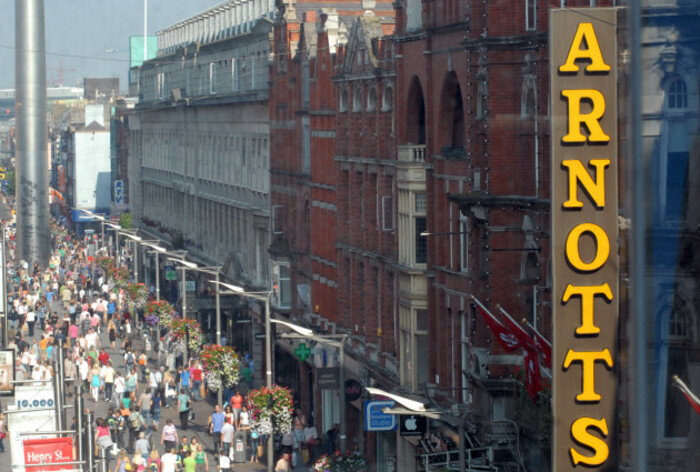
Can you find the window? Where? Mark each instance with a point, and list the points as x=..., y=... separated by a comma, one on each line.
x=463, y=243
x=212, y=78
x=413, y=15
x=306, y=145
x=357, y=98
x=388, y=99
x=344, y=99
x=387, y=213
x=235, y=76
x=530, y=14
x=413, y=248
x=414, y=346
x=677, y=95
x=372, y=99
x=281, y=284
x=277, y=219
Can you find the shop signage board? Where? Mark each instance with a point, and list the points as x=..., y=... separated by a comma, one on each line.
x=412, y=425
x=48, y=451
x=327, y=378
x=31, y=412
x=376, y=419
x=583, y=70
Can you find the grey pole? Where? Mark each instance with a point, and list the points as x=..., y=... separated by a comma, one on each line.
x=58, y=402
x=462, y=446
x=155, y=253
x=268, y=378
x=341, y=369
x=4, y=290
x=136, y=261
x=184, y=313
x=33, y=233
x=62, y=376
x=116, y=246
x=90, y=440
x=79, y=420
x=220, y=393
x=103, y=460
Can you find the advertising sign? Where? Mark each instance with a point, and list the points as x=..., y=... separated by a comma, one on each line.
x=118, y=192
x=7, y=371
x=327, y=378
x=376, y=419
x=412, y=425
x=585, y=266
x=48, y=451
x=31, y=413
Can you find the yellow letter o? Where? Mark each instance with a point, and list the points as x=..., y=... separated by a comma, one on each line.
x=602, y=247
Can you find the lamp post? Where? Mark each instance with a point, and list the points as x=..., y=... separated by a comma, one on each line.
x=334, y=340
x=116, y=229
x=157, y=250
x=263, y=297
x=184, y=265
x=136, y=240
x=413, y=407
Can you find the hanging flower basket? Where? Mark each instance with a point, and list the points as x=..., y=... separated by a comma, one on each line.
x=138, y=295
x=105, y=263
x=271, y=409
x=342, y=462
x=190, y=329
x=120, y=275
x=220, y=365
x=159, y=312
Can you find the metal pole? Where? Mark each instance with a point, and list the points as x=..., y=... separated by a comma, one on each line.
x=102, y=242
x=157, y=275
x=220, y=393
x=268, y=378
x=4, y=290
x=184, y=313
x=62, y=377
x=102, y=459
x=33, y=235
x=79, y=419
x=116, y=246
x=145, y=30
x=90, y=439
x=136, y=261
x=341, y=369
x=57, y=403
x=462, y=446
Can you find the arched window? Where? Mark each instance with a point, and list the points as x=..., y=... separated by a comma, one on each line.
x=677, y=95
x=388, y=99
x=344, y=99
x=372, y=99
x=357, y=98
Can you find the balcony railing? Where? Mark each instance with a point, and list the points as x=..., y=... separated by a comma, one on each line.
x=412, y=153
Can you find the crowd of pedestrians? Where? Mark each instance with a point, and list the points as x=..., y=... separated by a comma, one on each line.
x=73, y=306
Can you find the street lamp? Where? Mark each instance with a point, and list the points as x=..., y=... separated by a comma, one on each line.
x=157, y=250
x=185, y=264
x=334, y=340
x=263, y=297
x=413, y=407
x=136, y=239
x=116, y=229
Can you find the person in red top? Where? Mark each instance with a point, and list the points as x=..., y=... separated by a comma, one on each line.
x=196, y=382
x=103, y=357
x=236, y=404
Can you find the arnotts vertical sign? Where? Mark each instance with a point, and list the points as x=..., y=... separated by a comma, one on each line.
x=583, y=68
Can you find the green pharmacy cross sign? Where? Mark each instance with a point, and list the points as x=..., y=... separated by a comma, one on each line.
x=302, y=352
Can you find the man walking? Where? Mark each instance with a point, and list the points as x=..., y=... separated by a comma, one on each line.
x=216, y=423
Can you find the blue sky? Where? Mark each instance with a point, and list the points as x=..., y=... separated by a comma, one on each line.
x=90, y=38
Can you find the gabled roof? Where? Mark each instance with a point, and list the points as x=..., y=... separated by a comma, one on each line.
x=94, y=126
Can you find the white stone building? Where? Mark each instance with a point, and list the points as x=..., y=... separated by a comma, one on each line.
x=199, y=140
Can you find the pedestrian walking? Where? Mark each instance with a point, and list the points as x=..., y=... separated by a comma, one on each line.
x=168, y=437
x=183, y=407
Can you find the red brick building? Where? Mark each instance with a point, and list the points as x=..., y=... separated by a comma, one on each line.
x=304, y=190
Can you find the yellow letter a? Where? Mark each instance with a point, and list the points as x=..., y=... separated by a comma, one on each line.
x=585, y=32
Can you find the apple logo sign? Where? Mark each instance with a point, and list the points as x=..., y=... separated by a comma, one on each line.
x=411, y=423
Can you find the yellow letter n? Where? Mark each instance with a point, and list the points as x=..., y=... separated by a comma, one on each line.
x=578, y=174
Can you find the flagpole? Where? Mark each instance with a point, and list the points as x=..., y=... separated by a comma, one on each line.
x=538, y=333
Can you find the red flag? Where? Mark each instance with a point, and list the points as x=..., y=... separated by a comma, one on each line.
x=690, y=396
x=533, y=380
x=543, y=345
x=507, y=339
x=518, y=331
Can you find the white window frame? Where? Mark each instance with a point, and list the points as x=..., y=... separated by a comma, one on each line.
x=530, y=15
x=281, y=284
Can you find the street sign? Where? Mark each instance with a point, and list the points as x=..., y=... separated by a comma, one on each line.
x=118, y=191
x=327, y=378
x=170, y=273
x=353, y=390
x=376, y=419
x=302, y=352
x=48, y=451
x=412, y=425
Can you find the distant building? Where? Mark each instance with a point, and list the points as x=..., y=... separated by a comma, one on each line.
x=103, y=90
